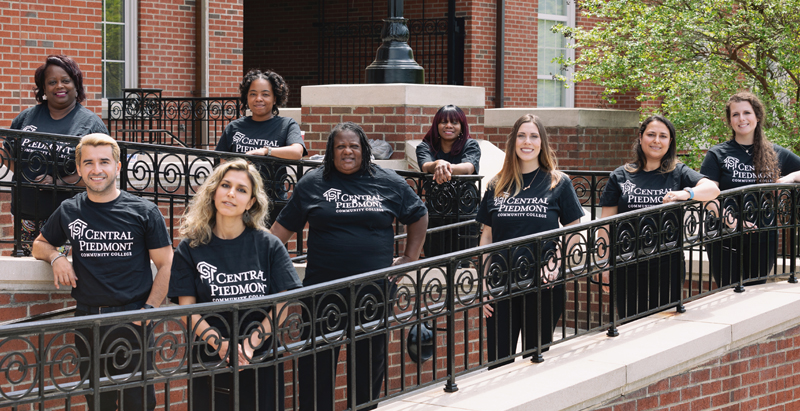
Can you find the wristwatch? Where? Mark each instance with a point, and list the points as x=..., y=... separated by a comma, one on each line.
x=690, y=191
x=269, y=151
x=147, y=306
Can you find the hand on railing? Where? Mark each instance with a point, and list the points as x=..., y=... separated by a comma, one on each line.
x=487, y=306
x=550, y=275
x=442, y=171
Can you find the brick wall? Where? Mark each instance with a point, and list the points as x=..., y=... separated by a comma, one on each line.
x=30, y=30
x=580, y=148
x=393, y=124
x=760, y=376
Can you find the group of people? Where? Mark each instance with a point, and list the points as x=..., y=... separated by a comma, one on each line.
x=350, y=205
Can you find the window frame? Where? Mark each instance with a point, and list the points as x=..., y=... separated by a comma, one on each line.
x=569, y=19
x=130, y=62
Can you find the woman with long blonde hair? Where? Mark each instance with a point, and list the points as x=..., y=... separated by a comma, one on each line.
x=224, y=232
x=528, y=196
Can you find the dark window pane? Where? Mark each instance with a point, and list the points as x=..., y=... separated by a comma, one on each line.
x=115, y=11
x=114, y=79
x=114, y=42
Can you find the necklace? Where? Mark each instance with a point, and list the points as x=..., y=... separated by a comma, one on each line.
x=747, y=149
x=533, y=179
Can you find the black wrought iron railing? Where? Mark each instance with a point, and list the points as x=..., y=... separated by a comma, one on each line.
x=439, y=299
x=143, y=115
x=169, y=176
x=347, y=48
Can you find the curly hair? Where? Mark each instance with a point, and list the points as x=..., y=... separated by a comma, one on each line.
x=510, y=175
x=279, y=87
x=366, y=150
x=69, y=65
x=201, y=216
x=670, y=159
x=447, y=113
x=765, y=160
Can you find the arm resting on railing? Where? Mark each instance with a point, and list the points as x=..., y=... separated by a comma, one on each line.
x=63, y=273
x=290, y=152
x=790, y=178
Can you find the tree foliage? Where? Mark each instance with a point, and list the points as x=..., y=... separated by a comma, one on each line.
x=687, y=57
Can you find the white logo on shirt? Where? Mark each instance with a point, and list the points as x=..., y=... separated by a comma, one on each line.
x=206, y=270
x=731, y=163
x=29, y=128
x=332, y=194
x=627, y=187
x=238, y=137
x=98, y=243
x=76, y=228
x=348, y=203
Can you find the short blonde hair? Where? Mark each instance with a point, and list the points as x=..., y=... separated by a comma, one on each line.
x=95, y=140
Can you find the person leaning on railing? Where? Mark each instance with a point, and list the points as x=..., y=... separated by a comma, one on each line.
x=653, y=177
x=350, y=205
x=225, y=238
x=59, y=91
x=528, y=196
x=264, y=132
x=747, y=158
x=447, y=150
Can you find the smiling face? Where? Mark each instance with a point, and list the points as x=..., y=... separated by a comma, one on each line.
x=743, y=120
x=346, y=152
x=655, y=141
x=59, y=89
x=99, y=171
x=260, y=99
x=449, y=130
x=528, y=144
x=234, y=194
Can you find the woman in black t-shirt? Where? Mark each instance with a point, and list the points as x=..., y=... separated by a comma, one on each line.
x=528, y=196
x=447, y=150
x=228, y=254
x=60, y=92
x=350, y=205
x=747, y=158
x=264, y=132
x=653, y=177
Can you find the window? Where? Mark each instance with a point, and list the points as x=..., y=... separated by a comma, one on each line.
x=119, y=46
x=551, y=92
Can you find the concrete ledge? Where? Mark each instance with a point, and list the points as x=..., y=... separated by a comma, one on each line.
x=564, y=117
x=589, y=370
x=391, y=95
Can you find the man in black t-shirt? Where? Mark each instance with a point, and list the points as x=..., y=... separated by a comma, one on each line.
x=114, y=236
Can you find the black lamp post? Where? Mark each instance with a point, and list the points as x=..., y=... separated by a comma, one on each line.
x=394, y=60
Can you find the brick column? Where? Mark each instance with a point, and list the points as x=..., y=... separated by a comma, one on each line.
x=390, y=112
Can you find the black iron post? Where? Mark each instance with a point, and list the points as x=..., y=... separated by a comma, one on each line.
x=394, y=60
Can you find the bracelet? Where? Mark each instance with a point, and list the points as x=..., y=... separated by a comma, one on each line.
x=57, y=257
x=690, y=191
x=269, y=151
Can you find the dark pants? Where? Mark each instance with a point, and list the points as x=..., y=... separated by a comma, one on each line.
x=519, y=314
x=649, y=284
x=262, y=382
x=758, y=258
x=317, y=371
x=130, y=399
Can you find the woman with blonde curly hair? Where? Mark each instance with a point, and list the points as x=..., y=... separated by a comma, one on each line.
x=747, y=158
x=528, y=196
x=224, y=232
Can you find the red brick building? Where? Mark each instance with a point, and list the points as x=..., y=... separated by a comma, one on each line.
x=154, y=44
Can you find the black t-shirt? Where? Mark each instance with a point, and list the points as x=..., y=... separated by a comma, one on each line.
x=633, y=191
x=245, y=134
x=254, y=264
x=37, y=157
x=729, y=164
x=471, y=153
x=532, y=211
x=350, y=220
x=110, y=246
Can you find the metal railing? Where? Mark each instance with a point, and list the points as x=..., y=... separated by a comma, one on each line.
x=169, y=176
x=444, y=295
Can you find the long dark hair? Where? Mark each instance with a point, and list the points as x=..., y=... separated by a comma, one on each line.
x=765, y=161
x=366, y=150
x=70, y=66
x=670, y=159
x=447, y=113
x=280, y=89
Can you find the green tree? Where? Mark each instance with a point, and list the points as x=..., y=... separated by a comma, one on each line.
x=687, y=57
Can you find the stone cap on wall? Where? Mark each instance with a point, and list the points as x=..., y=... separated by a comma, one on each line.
x=391, y=95
x=564, y=117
